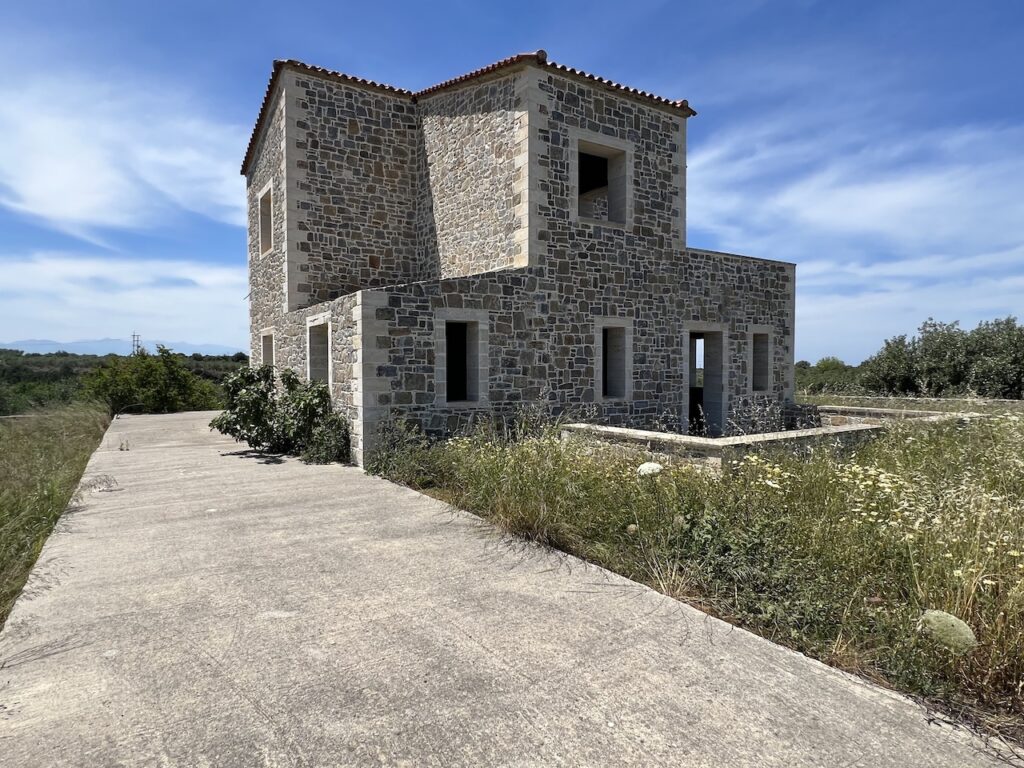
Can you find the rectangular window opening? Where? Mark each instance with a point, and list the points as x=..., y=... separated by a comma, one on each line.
x=319, y=350
x=613, y=362
x=462, y=360
x=266, y=222
x=268, y=349
x=601, y=183
x=762, y=368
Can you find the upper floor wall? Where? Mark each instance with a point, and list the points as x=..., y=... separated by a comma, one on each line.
x=607, y=172
x=474, y=177
x=353, y=186
x=374, y=186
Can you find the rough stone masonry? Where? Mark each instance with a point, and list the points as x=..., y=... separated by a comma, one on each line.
x=511, y=235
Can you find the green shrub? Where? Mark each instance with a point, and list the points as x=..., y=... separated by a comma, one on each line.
x=288, y=416
x=146, y=383
x=329, y=442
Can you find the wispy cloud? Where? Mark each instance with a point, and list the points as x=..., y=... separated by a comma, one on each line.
x=83, y=153
x=69, y=296
x=888, y=221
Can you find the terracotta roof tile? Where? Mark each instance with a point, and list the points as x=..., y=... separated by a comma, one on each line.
x=681, y=104
x=538, y=58
x=535, y=57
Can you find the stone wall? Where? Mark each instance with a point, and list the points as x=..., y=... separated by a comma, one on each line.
x=266, y=271
x=517, y=307
x=291, y=349
x=353, y=153
x=642, y=271
x=470, y=144
x=536, y=340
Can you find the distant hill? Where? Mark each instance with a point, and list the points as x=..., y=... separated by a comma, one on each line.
x=114, y=347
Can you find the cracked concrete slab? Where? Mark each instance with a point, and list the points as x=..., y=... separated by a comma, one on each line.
x=203, y=606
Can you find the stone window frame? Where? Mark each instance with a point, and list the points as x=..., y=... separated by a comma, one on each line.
x=600, y=323
x=482, y=318
x=576, y=135
x=266, y=333
x=268, y=189
x=763, y=330
x=323, y=318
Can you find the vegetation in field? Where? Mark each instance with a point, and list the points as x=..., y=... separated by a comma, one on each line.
x=283, y=415
x=30, y=381
x=145, y=383
x=942, y=360
x=872, y=562
x=42, y=458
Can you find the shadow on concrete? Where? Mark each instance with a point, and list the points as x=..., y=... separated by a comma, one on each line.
x=259, y=456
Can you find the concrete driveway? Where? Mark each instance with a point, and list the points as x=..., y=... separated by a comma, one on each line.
x=203, y=607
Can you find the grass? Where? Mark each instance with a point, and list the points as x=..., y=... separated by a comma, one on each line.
x=837, y=557
x=41, y=460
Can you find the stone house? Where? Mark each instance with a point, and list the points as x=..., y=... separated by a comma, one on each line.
x=512, y=234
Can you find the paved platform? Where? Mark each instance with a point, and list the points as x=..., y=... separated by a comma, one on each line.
x=205, y=607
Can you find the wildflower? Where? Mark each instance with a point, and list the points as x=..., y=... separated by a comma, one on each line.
x=947, y=630
x=631, y=528
x=649, y=469
x=772, y=484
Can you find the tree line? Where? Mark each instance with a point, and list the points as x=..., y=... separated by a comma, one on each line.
x=941, y=360
x=154, y=383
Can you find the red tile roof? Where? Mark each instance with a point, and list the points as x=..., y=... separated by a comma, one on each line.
x=534, y=57
x=538, y=58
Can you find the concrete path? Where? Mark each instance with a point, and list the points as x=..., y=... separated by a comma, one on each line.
x=214, y=609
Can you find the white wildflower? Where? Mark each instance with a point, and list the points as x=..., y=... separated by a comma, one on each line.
x=649, y=469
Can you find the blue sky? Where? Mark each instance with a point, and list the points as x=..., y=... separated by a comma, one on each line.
x=880, y=145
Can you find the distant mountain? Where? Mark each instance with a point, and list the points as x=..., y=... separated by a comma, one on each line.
x=114, y=346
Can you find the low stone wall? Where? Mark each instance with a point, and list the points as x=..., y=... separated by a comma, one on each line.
x=841, y=415
x=725, y=448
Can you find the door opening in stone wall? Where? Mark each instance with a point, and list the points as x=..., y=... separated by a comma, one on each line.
x=461, y=361
x=707, y=384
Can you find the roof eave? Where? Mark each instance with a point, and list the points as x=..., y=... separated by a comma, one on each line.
x=538, y=58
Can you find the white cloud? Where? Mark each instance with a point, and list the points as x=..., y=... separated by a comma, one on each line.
x=82, y=154
x=888, y=222
x=71, y=296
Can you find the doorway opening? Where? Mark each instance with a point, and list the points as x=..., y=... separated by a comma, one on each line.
x=707, y=383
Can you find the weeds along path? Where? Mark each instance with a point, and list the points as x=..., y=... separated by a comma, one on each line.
x=842, y=556
x=42, y=457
